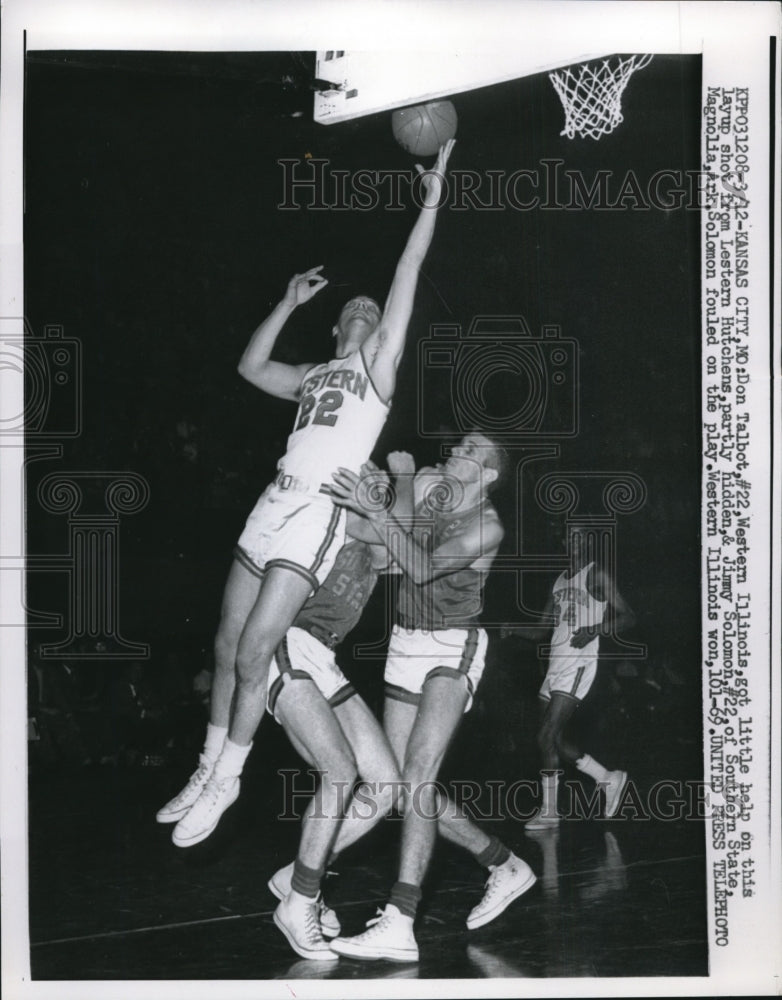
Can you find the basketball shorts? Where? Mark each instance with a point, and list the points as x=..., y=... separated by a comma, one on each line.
x=301, y=656
x=571, y=674
x=301, y=531
x=414, y=656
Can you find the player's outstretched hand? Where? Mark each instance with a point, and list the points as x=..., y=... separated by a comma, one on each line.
x=432, y=180
x=302, y=287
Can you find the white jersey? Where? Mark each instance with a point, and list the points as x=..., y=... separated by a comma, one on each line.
x=338, y=423
x=576, y=608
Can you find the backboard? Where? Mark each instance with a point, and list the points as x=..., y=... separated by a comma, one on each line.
x=365, y=82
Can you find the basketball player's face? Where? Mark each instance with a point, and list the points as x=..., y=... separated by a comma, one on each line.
x=466, y=460
x=361, y=310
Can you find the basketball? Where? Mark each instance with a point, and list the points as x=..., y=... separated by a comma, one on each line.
x=422, y=129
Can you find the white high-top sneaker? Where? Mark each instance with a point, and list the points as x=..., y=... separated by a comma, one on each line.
x=389, y=935
x=505, y=883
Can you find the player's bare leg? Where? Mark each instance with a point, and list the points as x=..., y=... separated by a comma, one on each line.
x=431, y=726
x=421, y=735
x=555, y=747
x=282, y=595
x=377, y=795
x=239, y=597
x=315, y=732
x=381, y=787
x=241, y=593
x=552, y=741
x=376, y=767
x=557, y=711
x=280, y=598
x=439, y=713
x=378, y=756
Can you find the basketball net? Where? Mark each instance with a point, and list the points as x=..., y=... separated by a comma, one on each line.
x=592, y=94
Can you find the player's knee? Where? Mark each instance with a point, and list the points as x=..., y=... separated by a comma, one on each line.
x=340, y=770
x=421, y=767
x=250, y=667
x=254, y=656
x=378, y=767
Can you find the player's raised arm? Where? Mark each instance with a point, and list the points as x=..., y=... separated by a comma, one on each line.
x=383, y=348
x=275, y=377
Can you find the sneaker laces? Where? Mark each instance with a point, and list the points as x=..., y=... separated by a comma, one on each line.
x=211, y=791
x=498, y=875
x=201, y=773
x=312, y=924
x=196, y=778
x=377, y=923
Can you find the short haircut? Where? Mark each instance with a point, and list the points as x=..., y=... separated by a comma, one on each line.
x=495, y=457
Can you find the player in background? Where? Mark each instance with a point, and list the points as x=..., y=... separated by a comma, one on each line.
x=443, y=533
x=293, y=534
x=584, y=604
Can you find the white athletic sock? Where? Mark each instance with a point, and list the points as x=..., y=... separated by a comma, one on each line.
x=549, y=783
x=231, y=760
x=215, y=738
x=591, y=767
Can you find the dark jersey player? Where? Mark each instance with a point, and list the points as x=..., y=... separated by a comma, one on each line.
x=332, y=728
x=443, y=533
x=292, y=536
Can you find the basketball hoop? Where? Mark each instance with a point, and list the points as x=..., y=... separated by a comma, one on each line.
x=592, y=94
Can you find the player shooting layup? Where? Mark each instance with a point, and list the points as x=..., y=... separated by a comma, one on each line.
x=295, y=531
